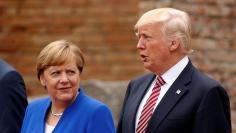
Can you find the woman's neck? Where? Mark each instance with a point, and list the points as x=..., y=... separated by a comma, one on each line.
x=59, y=106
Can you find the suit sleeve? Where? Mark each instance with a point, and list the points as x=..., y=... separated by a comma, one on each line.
x=119, y=126
x=13, y=102
x=101, y=121
x=213, y=115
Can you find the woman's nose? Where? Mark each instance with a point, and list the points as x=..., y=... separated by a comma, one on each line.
x=64, y=78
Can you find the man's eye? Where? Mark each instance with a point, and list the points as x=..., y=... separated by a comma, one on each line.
x=146, y=36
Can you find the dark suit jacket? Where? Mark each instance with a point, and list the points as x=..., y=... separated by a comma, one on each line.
x=202, y=106
x=13, y=100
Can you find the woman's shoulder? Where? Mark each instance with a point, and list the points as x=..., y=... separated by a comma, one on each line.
x=90, y=103
x=96, y=107
x=38, y=103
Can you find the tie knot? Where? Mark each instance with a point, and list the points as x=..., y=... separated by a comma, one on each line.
x=160, y=81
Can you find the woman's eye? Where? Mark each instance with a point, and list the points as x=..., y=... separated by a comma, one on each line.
x=71, y=72
x=55, y=73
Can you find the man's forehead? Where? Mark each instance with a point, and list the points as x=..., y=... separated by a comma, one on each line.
x=146, y=27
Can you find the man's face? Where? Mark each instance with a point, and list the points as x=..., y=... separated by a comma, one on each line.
x=153, y=47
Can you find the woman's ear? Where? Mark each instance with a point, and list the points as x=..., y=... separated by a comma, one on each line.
x=175, y=44
x=42, y=80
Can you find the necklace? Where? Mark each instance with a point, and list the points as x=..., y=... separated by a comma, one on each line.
x=56, y=114
x=60, y=114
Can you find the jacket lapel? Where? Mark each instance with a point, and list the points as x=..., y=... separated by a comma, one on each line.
x=46, y=107
x=172, y=96
x=137, y=97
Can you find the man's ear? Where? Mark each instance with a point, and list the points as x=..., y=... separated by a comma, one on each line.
x=175, y=44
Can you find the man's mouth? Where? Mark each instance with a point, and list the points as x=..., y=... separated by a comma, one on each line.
x=143, y=57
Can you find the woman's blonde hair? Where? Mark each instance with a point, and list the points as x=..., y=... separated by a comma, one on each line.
x=57, y=53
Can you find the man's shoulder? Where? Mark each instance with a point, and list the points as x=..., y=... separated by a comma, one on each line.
x=204, y=79
x=143, y=77
x=204, y=83
x=5, y=68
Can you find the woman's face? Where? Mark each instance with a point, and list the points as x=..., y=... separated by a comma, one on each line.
x=61, y=81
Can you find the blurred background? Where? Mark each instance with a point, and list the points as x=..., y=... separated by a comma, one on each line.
x=103, y=29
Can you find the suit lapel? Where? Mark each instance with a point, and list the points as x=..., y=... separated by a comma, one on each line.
x=172, y=96
x=137, y=97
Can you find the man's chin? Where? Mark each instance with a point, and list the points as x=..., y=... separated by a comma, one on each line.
x=147, y=66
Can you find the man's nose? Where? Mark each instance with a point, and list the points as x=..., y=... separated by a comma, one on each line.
x=141, y=43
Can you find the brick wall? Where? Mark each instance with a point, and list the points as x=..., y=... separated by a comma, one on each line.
x=102, y=28
x=104, y=31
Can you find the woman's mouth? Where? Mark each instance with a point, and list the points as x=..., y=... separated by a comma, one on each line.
x=64, y=88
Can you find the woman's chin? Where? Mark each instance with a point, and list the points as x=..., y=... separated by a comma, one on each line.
x=66, y=97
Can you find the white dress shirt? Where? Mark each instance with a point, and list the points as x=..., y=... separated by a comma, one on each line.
x=48, y=128
x=169, y=77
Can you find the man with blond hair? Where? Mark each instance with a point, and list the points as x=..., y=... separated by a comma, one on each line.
x=175, y=97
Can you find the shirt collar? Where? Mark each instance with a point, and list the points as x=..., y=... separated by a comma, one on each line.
x=171, y=75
